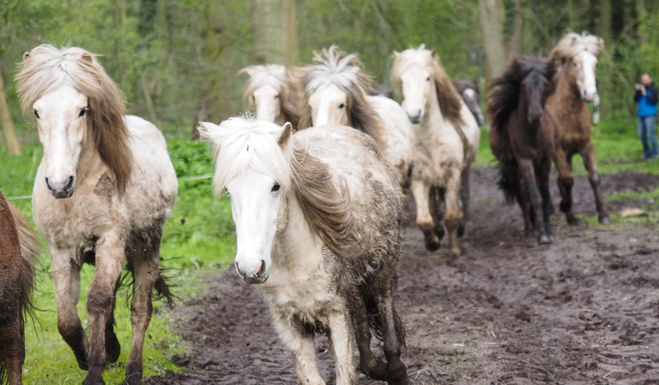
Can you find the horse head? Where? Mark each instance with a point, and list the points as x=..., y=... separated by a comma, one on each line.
x=255, y=171
x=578, y=56
x=264, y=89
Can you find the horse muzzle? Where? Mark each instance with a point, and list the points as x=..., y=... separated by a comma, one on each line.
x=256, y=275
x=61, y=190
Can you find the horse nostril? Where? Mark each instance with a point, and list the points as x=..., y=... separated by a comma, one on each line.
x=69, y=185
x=240, y=272
x=260, y=270
x=48, y=185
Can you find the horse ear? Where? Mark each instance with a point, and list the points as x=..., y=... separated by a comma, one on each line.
x=285, y=135
x=204, y=129
x=433, y=53
x=247, y=70
x=87, y=57
x=396, y=54
x=26, y=56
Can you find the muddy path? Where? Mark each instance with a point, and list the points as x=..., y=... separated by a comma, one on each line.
x=584, y=310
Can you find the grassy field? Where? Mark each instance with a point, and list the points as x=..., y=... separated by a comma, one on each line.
x=199, y=238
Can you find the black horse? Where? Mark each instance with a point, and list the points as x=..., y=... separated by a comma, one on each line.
x=522, y=137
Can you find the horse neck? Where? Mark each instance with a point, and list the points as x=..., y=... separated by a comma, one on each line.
x=433, y=116
x=90, y=161
x=295, y=242
x=567, y=89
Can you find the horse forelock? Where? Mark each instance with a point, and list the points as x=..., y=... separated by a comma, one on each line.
x=261, y=75
x=239, y=144
x=572, y=44
x=334, y=66
x=47, y=68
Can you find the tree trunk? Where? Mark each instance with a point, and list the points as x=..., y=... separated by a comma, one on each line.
x=605, y=21
x=274, y=31
x=491, y=17
x=517, y=39
x=13, y=147
x=639, y=6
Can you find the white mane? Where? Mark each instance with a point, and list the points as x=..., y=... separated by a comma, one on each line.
x=261, y=75
x=409, y=57
x=330, y=66
x=240, y=143
x=572, y=44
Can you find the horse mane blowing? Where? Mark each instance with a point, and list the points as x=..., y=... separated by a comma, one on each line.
x=450, y=101
x=346, y=72
x=276, y=76
x=573, y=43
x=46, y=68
x=324, y=205
x=504, y=91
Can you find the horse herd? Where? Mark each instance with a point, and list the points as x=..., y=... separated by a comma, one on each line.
x=318, y=185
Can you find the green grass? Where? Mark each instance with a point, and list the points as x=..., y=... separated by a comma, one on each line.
x=198, y=238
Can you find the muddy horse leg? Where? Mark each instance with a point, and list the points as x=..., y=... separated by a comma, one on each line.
x=588, y=155
x=393, y=339
x=547, y=206
x=112, y=345
x=525, y=206
x=12, y=342
x=420, y=191
x=66, y=278
x=302, y=346
x=342, y=346
x=145, y=273
x=436, y=204
x=527, y=170
x=464, y=198
x=453, y=217
x=368, y=363
x=109, y=264
x=563, y=163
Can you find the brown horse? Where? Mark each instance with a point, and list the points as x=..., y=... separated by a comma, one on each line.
x=576, y=58
x=18, y=252
x=522, y=139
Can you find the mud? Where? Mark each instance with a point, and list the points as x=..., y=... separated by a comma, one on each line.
x=584, y=310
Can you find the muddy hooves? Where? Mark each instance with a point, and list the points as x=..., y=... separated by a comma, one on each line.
x=605, y=220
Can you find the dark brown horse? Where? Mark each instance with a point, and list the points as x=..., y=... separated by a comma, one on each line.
x=18, y=252
x=576, y=57
x=522, y=139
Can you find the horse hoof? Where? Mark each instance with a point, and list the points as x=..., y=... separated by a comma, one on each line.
x=432, y=246
x=573, y=221
x=544, y=240
x=605, y=220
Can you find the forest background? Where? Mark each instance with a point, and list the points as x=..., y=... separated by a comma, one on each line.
x=177, y=60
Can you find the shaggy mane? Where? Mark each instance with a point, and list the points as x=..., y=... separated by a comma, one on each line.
x=505, y=91
x=239, y=144
x=346, y=72
x=450, y=101
x=276, y=76
x=572, y=44
x=462, y=85
x=46, y=68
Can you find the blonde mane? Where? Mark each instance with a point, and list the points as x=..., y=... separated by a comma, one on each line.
x=239, y=144
x=276, y=76
x=450, y=101
x=346, y=72
x=47, y=68
x=572, y=44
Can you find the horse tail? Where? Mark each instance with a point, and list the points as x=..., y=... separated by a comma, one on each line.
x=162, y=290
x=30, y=251
x=377, y=328
x=509, y=180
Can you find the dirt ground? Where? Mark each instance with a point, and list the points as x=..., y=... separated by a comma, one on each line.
x=584, y=310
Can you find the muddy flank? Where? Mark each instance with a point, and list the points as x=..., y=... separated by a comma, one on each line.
x=584, y=310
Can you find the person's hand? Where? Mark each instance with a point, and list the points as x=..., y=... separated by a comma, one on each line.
x=643, y=89
x=638, y=86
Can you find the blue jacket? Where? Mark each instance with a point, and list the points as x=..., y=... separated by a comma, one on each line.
x=647, y=104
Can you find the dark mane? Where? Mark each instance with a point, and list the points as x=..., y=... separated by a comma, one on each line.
x=504, y=92
x=462, y=85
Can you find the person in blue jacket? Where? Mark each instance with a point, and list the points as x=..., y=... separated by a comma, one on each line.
x=646, y=97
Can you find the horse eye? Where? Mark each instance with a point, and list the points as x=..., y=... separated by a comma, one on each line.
x=342, y=105
x=276, y=96
x=574, y=64
x=428, y=79
x=275, y=187
x=82, y=112
x=36, y=114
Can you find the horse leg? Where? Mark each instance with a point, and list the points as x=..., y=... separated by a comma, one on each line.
x=435, y=203
x=565, y=182
x=342, y=345
x=543, y=184
x=393, y=339
x=420, y=191
x=146, y=272
x=100, y=297
x=588, y=155
x=464, y=198
x=525, y=205
x=112, y=345
x=453, y=217
x=370, y=365
x=66, y=278
x=12, y=343
x=303, y=349
x=527, y=170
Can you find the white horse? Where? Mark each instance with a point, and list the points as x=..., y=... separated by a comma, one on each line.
x=103, y=190
x=446, y=141
x=273, y=93
x=317, y=223
x=336, y=92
